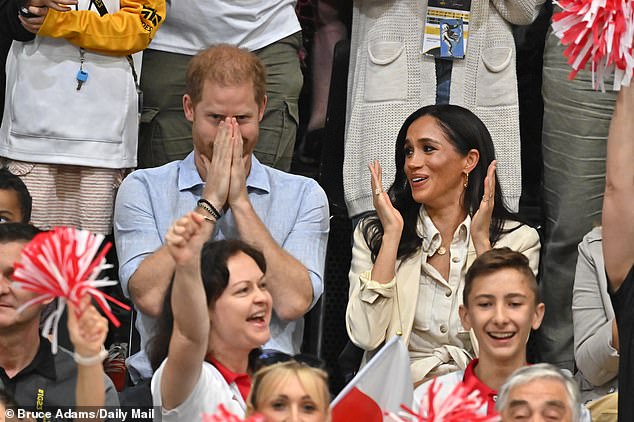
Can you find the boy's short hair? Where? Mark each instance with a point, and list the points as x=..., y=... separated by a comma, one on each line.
x=11, y=182
x=497, y=259
x=225, y=65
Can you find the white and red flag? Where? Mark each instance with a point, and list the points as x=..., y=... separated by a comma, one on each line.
x=381, y=386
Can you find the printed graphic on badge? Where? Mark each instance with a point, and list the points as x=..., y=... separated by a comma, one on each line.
x=451, y=38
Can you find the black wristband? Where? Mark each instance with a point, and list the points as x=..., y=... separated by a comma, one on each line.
x=208, y=206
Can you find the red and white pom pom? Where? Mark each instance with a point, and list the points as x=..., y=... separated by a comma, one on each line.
x=64, y=263
x=462, y=404
x=223, y=415
x=600, y=32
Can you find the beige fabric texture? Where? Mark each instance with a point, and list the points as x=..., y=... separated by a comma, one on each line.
x=389, y=78
x=376, y=312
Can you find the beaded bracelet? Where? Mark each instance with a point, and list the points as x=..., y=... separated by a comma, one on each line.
x=208, y=206
x=207, y=218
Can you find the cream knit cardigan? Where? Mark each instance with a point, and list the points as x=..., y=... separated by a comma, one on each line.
x=389, y=78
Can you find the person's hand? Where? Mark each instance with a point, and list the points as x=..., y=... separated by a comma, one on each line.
x=218, y=168
x=481, y=221
x=87, y=328
x=33, y=24
x=186, y=237
x=238, y=185
x=39, y=8
x=59, y=5
x=391, y=219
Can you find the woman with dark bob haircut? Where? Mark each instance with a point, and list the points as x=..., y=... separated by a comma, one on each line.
x=217, y=311
x=409, y=259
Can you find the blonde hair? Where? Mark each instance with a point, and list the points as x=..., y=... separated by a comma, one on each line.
x=225, y=65
x=268, y=379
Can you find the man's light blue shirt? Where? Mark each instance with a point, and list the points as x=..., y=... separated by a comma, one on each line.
x=293, y=208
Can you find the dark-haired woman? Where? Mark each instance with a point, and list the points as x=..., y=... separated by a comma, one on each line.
x=221, y=311
x=409, y=260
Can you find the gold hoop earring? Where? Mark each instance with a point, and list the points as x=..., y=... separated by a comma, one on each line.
x=466, y=180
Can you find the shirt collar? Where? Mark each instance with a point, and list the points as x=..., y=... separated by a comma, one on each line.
x=241, y=380
x=430, y=234
x=258, y=177
x=188, y=177
x=487, y=393
x=43, y=363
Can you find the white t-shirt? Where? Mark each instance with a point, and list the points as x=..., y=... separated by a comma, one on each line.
x=191, y=26
x=210, y=391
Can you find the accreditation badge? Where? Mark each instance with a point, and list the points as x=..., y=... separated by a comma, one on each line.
x=446, y=28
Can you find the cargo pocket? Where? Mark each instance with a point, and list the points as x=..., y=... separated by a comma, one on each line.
x=278, y=130
x=386, y=72
x=289, y=131
x=496, y=78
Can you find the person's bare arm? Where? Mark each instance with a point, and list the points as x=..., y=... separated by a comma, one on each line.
x=148, y=284
x=481, y=221
x=384, y=268
x=88, y=330
x=188, y=344
x=218, y=170
x=287, y=278
x=618, y=199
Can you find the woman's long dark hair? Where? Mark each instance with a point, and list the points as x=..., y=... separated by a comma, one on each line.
x=215, y=276
x=465, y=131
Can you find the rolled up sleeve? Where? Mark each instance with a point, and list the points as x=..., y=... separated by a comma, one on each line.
x=126, y=31
x=370, y=303
x=308, y=240
x=135, y=230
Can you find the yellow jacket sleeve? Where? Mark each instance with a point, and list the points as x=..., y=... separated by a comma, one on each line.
x=121, y=33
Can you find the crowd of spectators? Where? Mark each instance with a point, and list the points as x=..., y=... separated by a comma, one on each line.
x=170, y=128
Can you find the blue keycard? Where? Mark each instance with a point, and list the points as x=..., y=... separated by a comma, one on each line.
x=81, y=78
